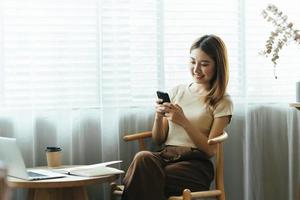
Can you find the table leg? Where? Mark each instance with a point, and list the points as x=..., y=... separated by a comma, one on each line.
x=74, y=193
x=30, y=194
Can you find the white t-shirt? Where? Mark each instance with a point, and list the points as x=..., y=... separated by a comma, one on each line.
x=197, y=113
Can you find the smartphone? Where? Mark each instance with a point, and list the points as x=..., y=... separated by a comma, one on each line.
x=164, y=96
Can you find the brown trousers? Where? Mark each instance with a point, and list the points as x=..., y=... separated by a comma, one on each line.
x=158, y=175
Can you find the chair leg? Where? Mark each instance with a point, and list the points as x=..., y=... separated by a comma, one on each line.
x=113, y=187
x=186, y=194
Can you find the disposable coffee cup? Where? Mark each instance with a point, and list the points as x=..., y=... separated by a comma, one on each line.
x=53, y=156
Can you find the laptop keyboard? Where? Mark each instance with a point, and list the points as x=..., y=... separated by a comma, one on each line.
x=33, y=174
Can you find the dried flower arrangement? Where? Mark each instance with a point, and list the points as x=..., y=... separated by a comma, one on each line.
x=282, y=35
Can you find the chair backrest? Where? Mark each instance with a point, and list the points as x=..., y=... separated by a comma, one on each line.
x=219, y=172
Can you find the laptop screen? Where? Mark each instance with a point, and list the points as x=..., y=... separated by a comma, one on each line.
x=12, y=157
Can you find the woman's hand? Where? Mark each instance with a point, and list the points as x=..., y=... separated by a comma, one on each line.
x=160, y=108
x=174, y=113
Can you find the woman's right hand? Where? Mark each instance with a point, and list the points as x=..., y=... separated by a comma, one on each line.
x=160, y=108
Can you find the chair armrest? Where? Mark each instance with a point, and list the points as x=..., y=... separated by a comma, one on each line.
x=219, y=139
x=137, y=136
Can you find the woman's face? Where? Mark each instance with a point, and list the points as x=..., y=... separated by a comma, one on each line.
x=202, y=67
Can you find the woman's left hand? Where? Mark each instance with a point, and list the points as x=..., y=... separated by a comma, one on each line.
x=174, y=113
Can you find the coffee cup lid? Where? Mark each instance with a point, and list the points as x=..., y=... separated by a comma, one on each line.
x=53, y=149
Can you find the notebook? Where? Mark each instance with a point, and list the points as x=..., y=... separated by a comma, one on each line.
x=12, y=157
x=100, y=169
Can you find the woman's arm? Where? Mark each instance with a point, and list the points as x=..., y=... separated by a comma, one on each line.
x=200, y=140
x=175, y=114
x=160, y=126
x=160, y=129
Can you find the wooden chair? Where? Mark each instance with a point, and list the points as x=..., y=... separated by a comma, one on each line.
x=218, y=192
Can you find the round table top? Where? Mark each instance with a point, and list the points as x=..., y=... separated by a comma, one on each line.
x=67, y=181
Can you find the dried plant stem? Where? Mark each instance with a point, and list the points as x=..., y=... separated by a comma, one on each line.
x=283, y=34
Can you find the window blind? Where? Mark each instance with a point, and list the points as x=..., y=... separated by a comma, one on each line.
x=100, y=53
x=49, y=53
x=184, y=21
x=129, y=55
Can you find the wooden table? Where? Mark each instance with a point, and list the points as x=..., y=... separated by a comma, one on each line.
x=69, y=187
x=3, y=186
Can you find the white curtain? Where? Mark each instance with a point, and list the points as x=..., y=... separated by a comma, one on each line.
x=261, y=154
x=87, y=136
x=81, y=74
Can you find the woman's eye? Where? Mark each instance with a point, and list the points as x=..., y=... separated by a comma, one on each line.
x=193, y=62
x=204, y=64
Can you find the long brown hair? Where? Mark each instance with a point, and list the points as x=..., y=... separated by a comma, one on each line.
x=215, y=48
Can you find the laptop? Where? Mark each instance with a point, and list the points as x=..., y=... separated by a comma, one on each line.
x=12, y=157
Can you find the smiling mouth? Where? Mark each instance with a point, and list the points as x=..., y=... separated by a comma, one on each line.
x=199, y=77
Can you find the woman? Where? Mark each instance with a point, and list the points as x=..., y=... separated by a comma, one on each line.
x=197, y=112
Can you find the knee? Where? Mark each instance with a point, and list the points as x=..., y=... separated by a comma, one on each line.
x=143, y=156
